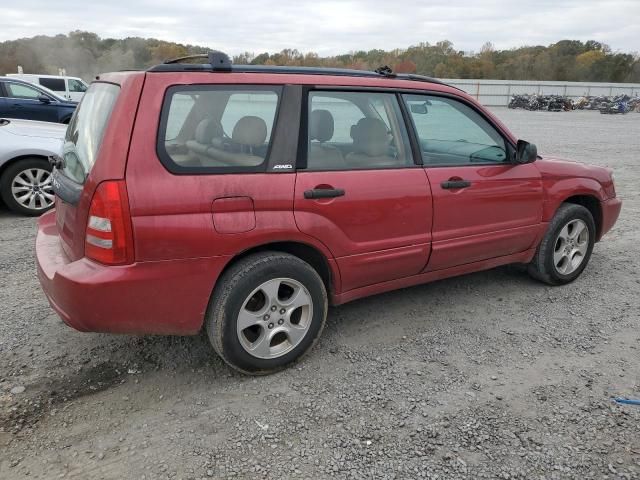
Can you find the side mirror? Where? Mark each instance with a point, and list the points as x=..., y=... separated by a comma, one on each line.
x=526, y=152
x=44, y=99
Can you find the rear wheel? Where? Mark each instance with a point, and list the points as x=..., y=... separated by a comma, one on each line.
x=266, y=312
x=26, y=186
x=566, y=248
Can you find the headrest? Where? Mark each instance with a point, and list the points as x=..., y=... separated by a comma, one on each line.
x=321, y=125
x=370, y=137
x=207, y=130
x=250, y=131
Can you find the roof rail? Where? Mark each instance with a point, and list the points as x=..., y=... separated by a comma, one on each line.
x=220, y=62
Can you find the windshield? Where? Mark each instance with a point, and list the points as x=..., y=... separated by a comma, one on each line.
x=84, y=134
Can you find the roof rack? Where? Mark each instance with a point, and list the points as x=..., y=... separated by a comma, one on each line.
x=220, y=62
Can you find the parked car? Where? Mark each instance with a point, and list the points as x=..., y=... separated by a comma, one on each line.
x=70, y=88
x=20, y=99
x=25, y=172
x=246, y=199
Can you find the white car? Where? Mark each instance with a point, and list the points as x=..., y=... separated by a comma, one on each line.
x=70, y=88
x=25, y=172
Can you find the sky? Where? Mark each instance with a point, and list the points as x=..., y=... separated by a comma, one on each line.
x=333, y=26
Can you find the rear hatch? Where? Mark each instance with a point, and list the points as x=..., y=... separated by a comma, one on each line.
x=95, y=150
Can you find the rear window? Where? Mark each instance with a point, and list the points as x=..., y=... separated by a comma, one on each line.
x=84, y=134
x=207, y=128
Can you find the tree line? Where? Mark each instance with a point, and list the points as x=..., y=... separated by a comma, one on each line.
x=85, y=54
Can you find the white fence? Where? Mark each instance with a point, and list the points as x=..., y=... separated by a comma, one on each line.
x=498, y=92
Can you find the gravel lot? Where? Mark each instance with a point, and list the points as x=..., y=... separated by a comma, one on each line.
x=490, y=375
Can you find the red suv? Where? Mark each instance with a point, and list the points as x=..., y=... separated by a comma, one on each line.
x=246, y=199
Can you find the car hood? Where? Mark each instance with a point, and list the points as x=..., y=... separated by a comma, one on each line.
x=554, y=167
x=31, y=128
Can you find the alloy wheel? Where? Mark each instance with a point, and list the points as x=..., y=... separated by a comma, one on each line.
x=274, y=318
x=571, y=247
x=32, y=189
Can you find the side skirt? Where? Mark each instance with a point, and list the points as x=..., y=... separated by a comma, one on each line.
x=521, y=257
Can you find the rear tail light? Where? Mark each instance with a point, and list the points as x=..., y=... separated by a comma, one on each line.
x=109, y=237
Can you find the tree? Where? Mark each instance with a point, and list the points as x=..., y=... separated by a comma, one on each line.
x=85, y=54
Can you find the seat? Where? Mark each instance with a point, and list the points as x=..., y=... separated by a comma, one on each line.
x=207, y=132
x=322, y=156
x=249, y=133
x=370, y=145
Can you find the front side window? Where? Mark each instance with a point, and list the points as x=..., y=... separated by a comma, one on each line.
x=217, y=127
x=55, y=84
x=356, y=130
x=18, y=90
x=452, y=133
x=76, y=86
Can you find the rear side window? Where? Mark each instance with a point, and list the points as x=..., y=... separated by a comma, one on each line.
x=85, y=132
x=55, y=84
x=356, y=130
x=206, y=128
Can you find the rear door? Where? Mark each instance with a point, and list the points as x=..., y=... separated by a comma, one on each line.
x=75, y=89
x=358, y=190
x=484, y=205
x=4, y=106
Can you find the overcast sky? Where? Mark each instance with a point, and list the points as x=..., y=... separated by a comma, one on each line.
x=333, y=26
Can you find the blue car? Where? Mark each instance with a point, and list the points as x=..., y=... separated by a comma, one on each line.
x=24, y=100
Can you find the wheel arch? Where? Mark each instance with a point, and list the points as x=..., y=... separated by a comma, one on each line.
x=19, y=158
x=304, y=251
x=591, y=203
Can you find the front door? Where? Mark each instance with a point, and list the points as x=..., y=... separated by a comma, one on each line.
x=484, y=205
x=359, y=191
x=23, y=102
x=75, y=89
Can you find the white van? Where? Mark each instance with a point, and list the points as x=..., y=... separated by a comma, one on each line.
x=71, y=88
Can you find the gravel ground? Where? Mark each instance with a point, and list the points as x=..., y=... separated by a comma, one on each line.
x=489, y=375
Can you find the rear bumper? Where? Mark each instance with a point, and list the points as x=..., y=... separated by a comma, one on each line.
x=610, y=213
x=164, y=297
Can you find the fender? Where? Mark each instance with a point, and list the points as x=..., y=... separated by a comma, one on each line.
x=558, y=190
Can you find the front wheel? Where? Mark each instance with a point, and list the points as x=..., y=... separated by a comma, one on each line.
x=566, y=248
x=266, y=311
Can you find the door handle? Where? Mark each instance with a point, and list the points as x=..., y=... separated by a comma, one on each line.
x=323, y=193
x=451, y=184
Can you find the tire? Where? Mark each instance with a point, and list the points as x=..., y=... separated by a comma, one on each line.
x=274, y=337
x=18, y=174
x=560, y=259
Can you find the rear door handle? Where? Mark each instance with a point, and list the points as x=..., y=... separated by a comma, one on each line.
x=450, y=184
x=323, y=193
